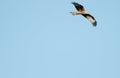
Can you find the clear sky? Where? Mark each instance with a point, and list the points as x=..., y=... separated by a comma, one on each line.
x=41, y=39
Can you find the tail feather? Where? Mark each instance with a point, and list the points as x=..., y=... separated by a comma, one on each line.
x=73, y=13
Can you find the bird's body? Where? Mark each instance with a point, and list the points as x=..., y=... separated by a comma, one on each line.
x=82, y=11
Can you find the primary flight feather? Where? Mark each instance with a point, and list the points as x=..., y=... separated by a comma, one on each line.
x=82, y=11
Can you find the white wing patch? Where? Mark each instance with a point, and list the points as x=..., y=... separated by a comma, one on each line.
x=90, y=19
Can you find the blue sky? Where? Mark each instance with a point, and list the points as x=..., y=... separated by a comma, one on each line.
x=41, y=39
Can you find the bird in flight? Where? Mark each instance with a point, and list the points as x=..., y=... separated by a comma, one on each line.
x=83, y=12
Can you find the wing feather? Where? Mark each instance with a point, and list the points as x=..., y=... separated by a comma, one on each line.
x=90, y=18
x=79, y=7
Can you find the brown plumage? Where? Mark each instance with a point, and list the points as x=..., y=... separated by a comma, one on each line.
x=83, y=12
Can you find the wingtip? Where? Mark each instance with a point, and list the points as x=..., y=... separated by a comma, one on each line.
x=73, y=2
x=95, y=24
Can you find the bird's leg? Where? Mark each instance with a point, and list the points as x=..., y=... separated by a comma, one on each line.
x=75, y=13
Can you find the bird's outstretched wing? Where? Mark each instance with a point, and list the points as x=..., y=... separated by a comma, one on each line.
x=83, y=12
x=79, y=7
x=90, y=18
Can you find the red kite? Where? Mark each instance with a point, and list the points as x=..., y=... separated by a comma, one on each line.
x=83, y=12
